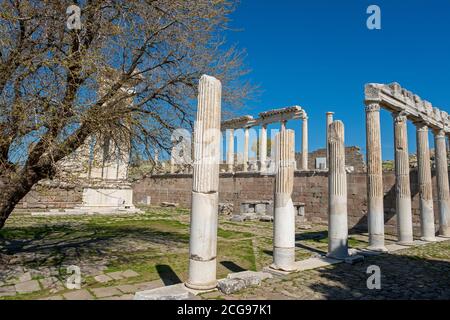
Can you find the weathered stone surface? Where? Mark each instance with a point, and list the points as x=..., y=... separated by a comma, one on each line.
x=117, y=275
x=78, y=295
x=28, y=286
x=260, y=208
x=226, y=209
x=7, y=291
x=25, y=277
x=175, y=292
x=103, y=278
x=106, y=292
x=228, y=286
x=129, y=273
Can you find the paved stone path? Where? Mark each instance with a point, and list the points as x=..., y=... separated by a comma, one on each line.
x=416, y=273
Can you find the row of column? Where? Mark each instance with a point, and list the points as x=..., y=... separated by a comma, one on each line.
x=263, y=147
x=375, y=191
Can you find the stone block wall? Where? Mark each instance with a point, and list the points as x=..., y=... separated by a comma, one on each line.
x=310, y=188
x=353, y=157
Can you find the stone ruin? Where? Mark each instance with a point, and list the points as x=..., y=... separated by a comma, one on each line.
x=204, y=213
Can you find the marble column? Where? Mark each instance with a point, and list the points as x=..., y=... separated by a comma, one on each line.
x=425, y=185
x=205, y=196
x=442, y=183
x=337, y=194
x=374, y=179
x=230, y=150
x=305, y=143
x=329, y=121
x=156, y=157
x=263, y=148
x=246, y=146
x=283, y=125
x=172, y=160
x=284, y=215
x=402, y=185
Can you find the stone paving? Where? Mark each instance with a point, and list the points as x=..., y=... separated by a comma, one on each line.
x=119, y=256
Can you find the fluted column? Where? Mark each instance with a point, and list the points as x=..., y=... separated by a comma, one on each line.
x=305, y=143
x=329, y=121
x=263, y=148
x=337, y=194
x=374, y=178
x=442, y=183
x=402, y=189
x=172, y=160
x=205, y=197
x=284, y=215
x=246, y=146
x=425, y=185
x=230, y=150
x=283, y=125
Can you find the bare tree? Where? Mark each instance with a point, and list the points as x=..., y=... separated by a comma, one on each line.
x=133, y=66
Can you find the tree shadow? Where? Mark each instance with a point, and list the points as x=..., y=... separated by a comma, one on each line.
x=402, y=277
x=167, y=275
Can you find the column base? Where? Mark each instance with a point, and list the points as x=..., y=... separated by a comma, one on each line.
x=377, y=248
x=210, y=286
x=428, y=239
x=406, y=243
x=444, y=232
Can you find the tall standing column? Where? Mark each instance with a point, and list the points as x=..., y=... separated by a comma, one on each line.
x=305, y=143
x=329, y=121
x=246, y=146
x=284, y=215
x=263, y=148
x=374, y=179
x=425, y=184
x=337, y=194
x=283, y=125
x=442, y=183
x=172, y=160
x=402, y=189
x=205, y=197
x=230, y=150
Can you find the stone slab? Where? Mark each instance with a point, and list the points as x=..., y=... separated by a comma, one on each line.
x=130, y=274
x=314, y=263
x=78, y=295
x=106, y=292
x=52, y=298
x=240, y=280
x=27, y=286
x=174, y=292
x=354, y=259
x=103, y=278
x=123, y=297
x=396, y=247
x=25, y=277
x=117, y=275
x=7, y=291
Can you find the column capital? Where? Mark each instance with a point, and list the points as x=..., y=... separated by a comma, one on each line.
x=439, y=133
x=373, y=107
x=421, y=125
x=399, y=117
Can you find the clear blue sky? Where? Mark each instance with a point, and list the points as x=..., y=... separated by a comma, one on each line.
x=319, y=54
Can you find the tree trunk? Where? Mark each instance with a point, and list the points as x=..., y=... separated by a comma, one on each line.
x=13, y=187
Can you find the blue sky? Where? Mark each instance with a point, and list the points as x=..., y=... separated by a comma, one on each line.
x=319, y=54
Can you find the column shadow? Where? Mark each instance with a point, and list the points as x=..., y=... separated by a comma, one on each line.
x=167, y=275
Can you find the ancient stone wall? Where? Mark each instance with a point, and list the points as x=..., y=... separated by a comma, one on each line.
x=309, y=187
x=353, y=157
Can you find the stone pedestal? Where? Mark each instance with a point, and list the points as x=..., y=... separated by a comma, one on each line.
x=204, y=213
x=403, y=193
x=374, y=179
x=425, y=185
x=442, y=183
x=284, y=214
x=337, y=191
